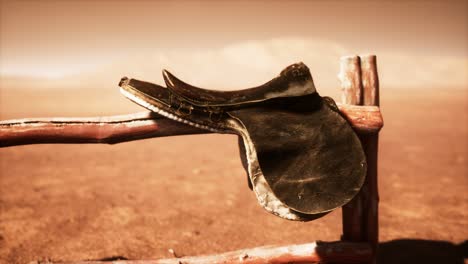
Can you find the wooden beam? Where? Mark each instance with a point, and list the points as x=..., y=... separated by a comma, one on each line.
x=116, y=129
x=350, y=77
x=316, y=252
x=371, y=95
x=107, y=129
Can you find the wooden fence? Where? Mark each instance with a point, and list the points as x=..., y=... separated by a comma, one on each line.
x=360, y=105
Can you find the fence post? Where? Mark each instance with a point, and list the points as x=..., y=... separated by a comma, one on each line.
x=360, y=86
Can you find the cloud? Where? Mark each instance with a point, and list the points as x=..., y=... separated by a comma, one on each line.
x=234, y=66
x=250, y=63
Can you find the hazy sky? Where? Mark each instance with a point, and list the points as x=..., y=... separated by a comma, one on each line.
x=56, y=38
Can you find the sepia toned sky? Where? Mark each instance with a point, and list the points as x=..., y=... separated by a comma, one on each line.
x=233, y=43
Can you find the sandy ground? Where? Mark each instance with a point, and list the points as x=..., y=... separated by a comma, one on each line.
x=136, y=200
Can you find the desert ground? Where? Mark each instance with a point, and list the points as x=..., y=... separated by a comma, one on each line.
x=139, y=199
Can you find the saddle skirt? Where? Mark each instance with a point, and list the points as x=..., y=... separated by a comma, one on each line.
x=302, y=157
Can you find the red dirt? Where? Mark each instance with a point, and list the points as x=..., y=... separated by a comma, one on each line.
x=189, y=193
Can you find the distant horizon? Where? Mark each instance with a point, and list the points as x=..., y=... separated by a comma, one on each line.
x=230, y=67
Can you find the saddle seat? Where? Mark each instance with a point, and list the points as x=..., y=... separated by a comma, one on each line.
x=295, y=80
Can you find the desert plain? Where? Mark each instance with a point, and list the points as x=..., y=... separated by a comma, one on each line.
x=189, y=194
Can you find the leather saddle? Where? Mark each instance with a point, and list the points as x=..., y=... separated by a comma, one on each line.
x=302, y=157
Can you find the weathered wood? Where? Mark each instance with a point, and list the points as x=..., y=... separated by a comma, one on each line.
x=363, y=119
x=350, y=77
x=370, y=142
x=316, y=252
x=370, y=80
x=360, y=216
x=116, y=129
x=110, y=129
x=351, y=88
x=369, y=194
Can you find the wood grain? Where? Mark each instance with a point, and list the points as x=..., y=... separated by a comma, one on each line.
x=350, y=78
x=370, y=142
x=370, y=80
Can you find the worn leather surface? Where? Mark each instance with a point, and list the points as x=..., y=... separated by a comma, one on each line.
x=302, y=157
x=310, y=156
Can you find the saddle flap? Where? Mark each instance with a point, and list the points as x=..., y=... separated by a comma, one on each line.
x=308, y=154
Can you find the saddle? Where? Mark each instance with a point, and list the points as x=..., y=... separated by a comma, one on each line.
x=302, y=157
